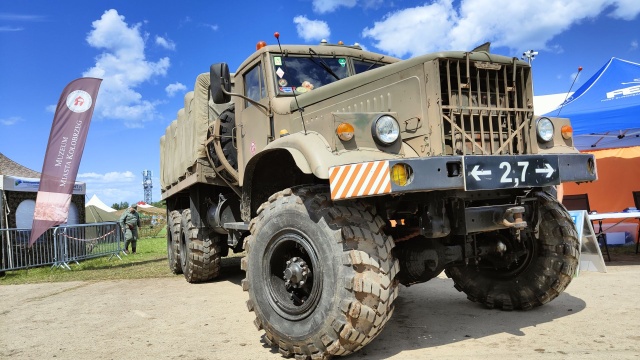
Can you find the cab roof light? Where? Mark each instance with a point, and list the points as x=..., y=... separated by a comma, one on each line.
x=260, y=45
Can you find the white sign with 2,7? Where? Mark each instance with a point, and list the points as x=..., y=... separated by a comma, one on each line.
x=508, y=172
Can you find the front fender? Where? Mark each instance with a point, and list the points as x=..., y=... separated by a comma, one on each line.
x=313, y=155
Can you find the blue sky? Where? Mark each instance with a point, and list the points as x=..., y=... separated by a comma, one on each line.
x=150, y=52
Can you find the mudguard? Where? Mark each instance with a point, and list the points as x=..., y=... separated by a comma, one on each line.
x=313, y=154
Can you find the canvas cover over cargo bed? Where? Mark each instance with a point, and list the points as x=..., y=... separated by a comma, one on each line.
x=184, y=138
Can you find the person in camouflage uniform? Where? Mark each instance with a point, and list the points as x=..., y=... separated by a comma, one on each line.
x=130, y=221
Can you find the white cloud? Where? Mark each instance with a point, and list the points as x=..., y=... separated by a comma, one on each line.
x=514, y=24
x=9, y=17
x=113, y=187
x=625, y=9
x=188, y=20
x=325, y=6
x=372, y=4
x=311, y=30
x=10, y=28
x=123, y=67
x=634, y=45
x=414, y=30
x=112, y=177
x=212, y=27
x=174, y=88
x=165, y=43
x=20, y=17
x=11, y=120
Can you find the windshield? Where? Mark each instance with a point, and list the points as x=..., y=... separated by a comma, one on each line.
x=360, y=66
x=302, y=74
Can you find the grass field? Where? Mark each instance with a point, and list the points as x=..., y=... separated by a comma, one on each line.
x=150, y=261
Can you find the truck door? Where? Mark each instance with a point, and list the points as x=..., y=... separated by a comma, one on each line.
x=253, y=127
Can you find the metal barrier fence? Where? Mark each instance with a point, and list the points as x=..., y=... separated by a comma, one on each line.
x=58, y=246
x=15, y=253
x=80, y=242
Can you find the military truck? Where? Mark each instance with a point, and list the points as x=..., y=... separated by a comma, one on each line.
x=343, y=173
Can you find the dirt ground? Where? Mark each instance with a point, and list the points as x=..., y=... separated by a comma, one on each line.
x=596, y=318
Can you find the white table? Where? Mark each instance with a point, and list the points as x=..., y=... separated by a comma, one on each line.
x=621, y=216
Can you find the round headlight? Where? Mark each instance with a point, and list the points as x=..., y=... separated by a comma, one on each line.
x=386, y=130
x=544, y=128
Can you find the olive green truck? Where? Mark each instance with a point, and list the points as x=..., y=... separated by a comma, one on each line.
x=343, y=173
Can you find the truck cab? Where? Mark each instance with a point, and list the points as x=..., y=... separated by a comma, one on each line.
x=344, y=173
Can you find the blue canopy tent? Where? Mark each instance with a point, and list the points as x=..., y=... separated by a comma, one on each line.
x=605, y=116
x=605, y=111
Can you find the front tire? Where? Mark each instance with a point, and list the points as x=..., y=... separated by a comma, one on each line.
x=538, y=277
x=199, y=252
x=320, y=276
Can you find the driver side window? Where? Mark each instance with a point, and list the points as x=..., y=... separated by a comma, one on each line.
x=254, y=87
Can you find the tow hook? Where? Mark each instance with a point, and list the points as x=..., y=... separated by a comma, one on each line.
x=518, y=223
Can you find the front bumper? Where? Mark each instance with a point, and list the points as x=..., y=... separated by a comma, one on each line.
x=469, y=173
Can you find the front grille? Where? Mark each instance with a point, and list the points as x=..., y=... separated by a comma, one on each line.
x=484, y=107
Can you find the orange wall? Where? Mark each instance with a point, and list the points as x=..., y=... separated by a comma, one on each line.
x=618, y=177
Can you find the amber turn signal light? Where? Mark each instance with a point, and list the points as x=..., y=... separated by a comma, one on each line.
x=567, y=132
x=345, y=131
x=401, y=174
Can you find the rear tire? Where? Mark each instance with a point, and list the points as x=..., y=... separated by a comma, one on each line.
x=539, y=277
x=344, y=261
x=200, y=251
x=173, y=241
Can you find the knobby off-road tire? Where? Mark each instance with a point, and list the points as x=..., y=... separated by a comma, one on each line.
x=540, y=278
x=199, y=252
x=173, y=241
x=349, y=286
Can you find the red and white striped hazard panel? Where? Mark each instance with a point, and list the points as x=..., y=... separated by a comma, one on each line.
x=355, y=180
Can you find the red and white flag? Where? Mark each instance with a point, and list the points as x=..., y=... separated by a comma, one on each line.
x=64, y=151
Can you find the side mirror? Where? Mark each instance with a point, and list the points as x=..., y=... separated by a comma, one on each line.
x=220, y=79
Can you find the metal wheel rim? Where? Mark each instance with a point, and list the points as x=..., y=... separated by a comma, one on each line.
x=283, y=246
x=525, y=260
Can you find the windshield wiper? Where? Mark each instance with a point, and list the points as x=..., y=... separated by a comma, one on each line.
x=323, y=64
x=372, y=65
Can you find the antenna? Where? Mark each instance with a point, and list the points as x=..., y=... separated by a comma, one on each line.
x=147, y=185
x=566, y=97
x=284, y=63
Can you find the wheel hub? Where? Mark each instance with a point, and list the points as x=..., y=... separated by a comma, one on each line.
x=296, y=273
